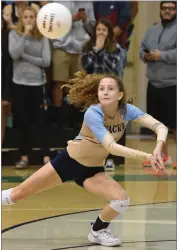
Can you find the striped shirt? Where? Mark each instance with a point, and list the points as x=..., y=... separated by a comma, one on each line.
x=100, y=61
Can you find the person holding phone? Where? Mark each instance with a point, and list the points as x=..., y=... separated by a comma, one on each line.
x=82, y=14
x=121, y=14
x=158, y=49
x=67, y=53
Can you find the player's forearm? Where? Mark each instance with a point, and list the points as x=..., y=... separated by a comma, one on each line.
x=119, y=150
x=162, y=133
x=159, y=128
x=159, y=145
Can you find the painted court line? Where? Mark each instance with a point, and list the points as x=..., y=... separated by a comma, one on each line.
x=167, y=222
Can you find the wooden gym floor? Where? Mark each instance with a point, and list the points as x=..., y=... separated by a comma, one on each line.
x=60, y=218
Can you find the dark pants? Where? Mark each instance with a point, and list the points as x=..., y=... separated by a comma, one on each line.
x=161, y=104
x=27, y=113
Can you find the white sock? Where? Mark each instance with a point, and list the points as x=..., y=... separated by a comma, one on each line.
x=6, y=199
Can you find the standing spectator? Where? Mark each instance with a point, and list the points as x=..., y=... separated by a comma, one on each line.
x=31, y=53
x=67, y=50
x=42, y=3
x=101, y=53
x=11, y=12
x=6, y=77
x=121, y=15
x=158, y=50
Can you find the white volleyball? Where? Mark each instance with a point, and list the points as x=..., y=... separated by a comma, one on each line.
x=54, y=20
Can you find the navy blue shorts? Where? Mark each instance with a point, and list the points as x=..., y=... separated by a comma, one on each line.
x=70, y=170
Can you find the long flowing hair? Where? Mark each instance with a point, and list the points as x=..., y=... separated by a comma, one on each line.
x=20, y=28
x=110, y=43
x=83, y=90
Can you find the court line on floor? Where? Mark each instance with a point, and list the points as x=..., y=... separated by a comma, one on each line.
x=162, y=222
x=86, y=211
x=120, y=178
x=79, y=208
x=126, y=242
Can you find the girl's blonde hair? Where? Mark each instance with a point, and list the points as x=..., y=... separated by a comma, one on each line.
x=20, y=28
x=84, y=89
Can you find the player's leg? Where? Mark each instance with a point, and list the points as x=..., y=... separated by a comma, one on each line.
x=105, y=186
x=45, y=178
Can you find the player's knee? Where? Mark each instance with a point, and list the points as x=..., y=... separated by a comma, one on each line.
x=120, y=206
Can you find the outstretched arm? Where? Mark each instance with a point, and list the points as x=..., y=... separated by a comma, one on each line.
x=94, y=119
x=160, y=129
x=119, y=150
x=145, y=120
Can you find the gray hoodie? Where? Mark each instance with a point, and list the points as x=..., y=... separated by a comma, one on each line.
x=161, y=73
x=73, y=42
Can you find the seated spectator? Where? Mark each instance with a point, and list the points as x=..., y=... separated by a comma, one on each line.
x=6, y=77
x=101, y=53
x=11, y=12
x=31, y=53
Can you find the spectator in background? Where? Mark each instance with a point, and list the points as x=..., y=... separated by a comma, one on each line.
x=67, y=50
x=6, y=77
x=31, y=53
x=101, y=53
x=121, y=15
x=11, y=12
x=158, y=50
x=42, y=3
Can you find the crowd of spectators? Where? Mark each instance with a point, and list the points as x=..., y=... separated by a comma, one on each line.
x=35, y=68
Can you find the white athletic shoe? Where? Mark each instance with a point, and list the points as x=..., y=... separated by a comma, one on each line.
x=103, y=237
x=110, y=166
